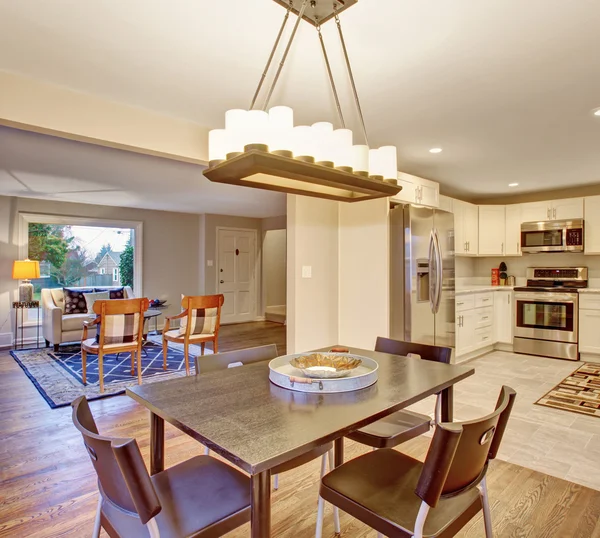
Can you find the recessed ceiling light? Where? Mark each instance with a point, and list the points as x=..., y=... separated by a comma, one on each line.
x=596, y=112
x=435, y=150
x=513, y=184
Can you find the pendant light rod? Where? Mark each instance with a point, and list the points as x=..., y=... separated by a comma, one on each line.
x=352, y=83
x=285, y=54
x=266, y=70
x=331, y=81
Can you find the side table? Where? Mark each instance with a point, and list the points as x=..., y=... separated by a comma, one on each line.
x=22, y=306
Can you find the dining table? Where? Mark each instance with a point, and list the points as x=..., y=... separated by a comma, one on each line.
x=256, y=425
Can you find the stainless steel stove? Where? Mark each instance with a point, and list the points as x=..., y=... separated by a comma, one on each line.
x=546, y=321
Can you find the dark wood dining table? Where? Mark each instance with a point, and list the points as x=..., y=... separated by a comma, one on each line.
x=256, y=425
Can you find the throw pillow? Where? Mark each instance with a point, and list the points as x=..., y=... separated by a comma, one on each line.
x=91, y=298
x=75, y=301
x=115, y=293
x=202, y=320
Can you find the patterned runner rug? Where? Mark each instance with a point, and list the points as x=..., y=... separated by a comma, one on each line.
x=57, y=376
x=579, y=392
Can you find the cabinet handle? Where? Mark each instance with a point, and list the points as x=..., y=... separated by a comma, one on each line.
x=503, y=249
x=468, y=246
x=518, y=247
x=459, y=304
x=509, y=299
x=485, y=317
x=554, y=213
x=486, y=337
x=548, y=214
x=486, y=299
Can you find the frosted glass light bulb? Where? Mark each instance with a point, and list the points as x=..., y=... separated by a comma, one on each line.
x=323, y=143
x=360, y=159
x=389, y=162
x=217, y=145
x=375, y=163
x=281, y=123
x=342, y=147
x=258, y=127
x=303, y=143
x=236, y=124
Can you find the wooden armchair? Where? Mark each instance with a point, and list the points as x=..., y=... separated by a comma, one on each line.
x=121, y=325
x=200, y=322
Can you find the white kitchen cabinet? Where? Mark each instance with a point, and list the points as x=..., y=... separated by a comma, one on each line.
x=568, y=208
x=465, y=332
x=589, y=333
x=592, y=224
x=512, y=234
x=466, y=228
x=535, y=211
x=503, y=317
x=416, y=190
x=475, y=319
x=492, y=230
x=446, y=203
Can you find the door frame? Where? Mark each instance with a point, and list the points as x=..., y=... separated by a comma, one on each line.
x=257, y=264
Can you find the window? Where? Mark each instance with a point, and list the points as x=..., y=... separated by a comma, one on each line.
x=102, y=271
x=116, y=275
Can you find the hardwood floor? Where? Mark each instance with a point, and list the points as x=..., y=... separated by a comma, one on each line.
x=49, y=488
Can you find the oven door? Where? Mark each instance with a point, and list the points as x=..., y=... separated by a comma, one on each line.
x=547, y=316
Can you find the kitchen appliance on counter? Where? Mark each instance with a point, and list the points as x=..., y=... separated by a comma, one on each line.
x=552, y=236
x=422, y=275
x=546, y=321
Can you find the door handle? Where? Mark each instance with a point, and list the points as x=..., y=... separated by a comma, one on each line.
x=222, y=281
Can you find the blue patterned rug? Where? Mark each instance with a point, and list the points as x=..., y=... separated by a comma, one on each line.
x=57, y=375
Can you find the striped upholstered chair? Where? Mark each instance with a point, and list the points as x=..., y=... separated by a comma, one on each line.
x=119, y=323
x=200, y=322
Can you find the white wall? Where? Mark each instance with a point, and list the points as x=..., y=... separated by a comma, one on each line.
x=274, y=267
x=312, y=303
x=364, y=273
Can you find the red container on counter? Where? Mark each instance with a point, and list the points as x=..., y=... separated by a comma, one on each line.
x=495, y=277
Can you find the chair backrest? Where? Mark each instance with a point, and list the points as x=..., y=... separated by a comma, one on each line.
x=426, y=352
x=121, y=320
x=220, y=361
x=203, y=308
x=122, y=474
x=460, y=451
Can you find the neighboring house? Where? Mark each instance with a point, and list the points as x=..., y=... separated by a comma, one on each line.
x=109, y=265
x=91, y=267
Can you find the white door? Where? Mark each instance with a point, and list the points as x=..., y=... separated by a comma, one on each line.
x=492, y=227
x=570, y=208
x=236, y=253
x=513, y=230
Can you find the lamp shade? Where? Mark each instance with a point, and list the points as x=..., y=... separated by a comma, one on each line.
x=26, y=269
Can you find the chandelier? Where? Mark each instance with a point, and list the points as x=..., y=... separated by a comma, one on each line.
x=263, y=148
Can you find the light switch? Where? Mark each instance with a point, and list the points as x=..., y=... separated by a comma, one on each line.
x=209, y=263
x=306, y=271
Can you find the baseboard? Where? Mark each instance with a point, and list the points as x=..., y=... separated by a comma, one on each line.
x=473, y=355
x=6, y=340
x=506, y=347
x=589, y=357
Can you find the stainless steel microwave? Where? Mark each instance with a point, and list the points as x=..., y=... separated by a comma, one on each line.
x=552, y=236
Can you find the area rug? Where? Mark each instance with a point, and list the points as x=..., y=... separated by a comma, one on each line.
x=57, y=375
x=579, y=392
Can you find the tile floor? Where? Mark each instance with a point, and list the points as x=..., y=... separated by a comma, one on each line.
x=555, y=442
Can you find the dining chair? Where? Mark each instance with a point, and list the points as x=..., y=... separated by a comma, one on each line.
x=232, y=359
x=401, y=497
x=200, y=497
x=403, y=425
x=119, y=323
x=200, y=323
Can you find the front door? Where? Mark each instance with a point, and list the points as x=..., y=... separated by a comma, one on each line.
x=235, y=274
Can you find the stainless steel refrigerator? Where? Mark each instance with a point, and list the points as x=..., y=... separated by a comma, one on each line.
x=422, y=275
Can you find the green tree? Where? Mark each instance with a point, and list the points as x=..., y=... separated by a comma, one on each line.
x=49, y=242
x=73, y=269
x=105, y=249
x=126, y=266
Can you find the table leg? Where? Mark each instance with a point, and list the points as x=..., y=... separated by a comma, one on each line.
x=338, y=447
x=157, y=444
x=261, y=505
x=448, y=404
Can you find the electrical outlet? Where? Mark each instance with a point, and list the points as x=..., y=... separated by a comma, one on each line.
x=306, y=271
x=209, y=263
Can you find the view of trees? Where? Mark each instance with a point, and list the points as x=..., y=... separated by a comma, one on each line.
x=126, y=265
x=49, y=242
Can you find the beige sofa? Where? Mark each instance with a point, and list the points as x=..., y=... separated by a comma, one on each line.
x=59, y=328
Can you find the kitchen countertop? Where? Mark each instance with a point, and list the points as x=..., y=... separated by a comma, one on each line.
x=476, y=289
x=589, y=290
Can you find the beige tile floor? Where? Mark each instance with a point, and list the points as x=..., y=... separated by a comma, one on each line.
x=555, y=442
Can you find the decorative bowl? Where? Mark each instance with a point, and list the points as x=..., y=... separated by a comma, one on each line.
x=326, y=365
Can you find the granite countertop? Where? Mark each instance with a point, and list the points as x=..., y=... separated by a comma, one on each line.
x=589, y=290
x=476, y=289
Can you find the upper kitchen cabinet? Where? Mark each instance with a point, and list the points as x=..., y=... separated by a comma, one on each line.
x=592, y=225
x=569, y=208
x=492, y=226
x=446, y=203
x=416, y=190
x=466, y=228
x=514, y=219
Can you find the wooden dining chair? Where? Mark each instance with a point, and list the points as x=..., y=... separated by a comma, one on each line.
x=403, y=425
x=200, y=323
x=401, y=497
x=200, y=497
x=232, y=359
x=121, y=322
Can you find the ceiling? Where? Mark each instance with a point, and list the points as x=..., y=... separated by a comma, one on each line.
x=505, y=87
x=41, y=166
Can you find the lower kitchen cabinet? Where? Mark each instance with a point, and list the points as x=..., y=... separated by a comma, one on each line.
x=465, y=332
x=503, y=317
x=589, y=323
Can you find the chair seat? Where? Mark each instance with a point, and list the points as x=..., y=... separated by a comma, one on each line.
x=392, y=430
x=91, y=345
x=379, y=489
x=201, y=497
x=175, y=336
x=301, y=460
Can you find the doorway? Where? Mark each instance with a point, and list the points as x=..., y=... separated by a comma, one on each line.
x=236, y=274
x=274, y=275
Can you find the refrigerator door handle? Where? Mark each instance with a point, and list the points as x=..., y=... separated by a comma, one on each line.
x=432, y=287
x=439, y=271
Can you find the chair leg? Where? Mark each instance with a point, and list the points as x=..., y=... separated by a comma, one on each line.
x=186, y=354
x=276, y=482
x=336, y=510
x=97, y=521
x=84, y=366
x=132, y=362
x=100, y=371
x=321, y=505
x=487, y=513
x=165, y=350
x=55, y=347
x=202, y=345
x=139, y=365
x=215, y=345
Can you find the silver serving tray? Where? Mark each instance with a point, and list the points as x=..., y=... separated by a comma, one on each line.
x=283, y=374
